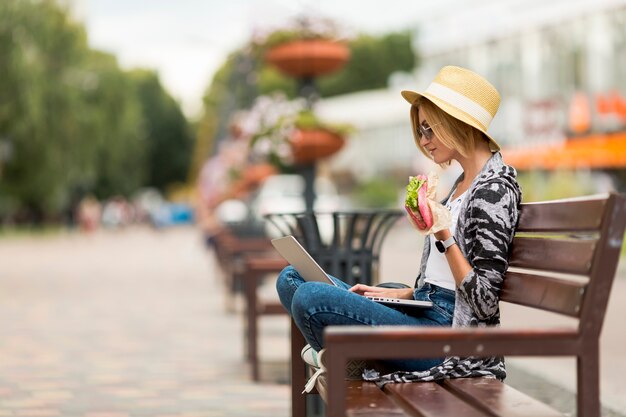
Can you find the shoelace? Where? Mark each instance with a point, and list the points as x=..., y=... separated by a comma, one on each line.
x=308, y=387
x=311, y=382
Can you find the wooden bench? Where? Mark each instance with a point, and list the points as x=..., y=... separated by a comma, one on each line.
x=245, y=261
x=256, y=267
x=230, y=250
x=563, y=260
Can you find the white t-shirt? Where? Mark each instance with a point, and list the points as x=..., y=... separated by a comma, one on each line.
x=437, y=269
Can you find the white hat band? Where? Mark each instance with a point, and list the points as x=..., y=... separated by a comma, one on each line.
x=461, y=102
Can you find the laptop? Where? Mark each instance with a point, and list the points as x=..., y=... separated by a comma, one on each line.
x=290, y=249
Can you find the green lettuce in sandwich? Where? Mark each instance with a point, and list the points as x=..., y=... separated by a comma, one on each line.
x=417, y=202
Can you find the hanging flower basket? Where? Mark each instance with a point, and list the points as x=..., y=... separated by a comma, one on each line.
x=255, y=174
x=308, y=57
x=285, y=134
x=309, y=145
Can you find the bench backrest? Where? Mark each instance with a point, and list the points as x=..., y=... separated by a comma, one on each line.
x=564, y=257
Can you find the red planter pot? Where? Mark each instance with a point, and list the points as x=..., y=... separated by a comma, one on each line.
x=308, y=58
x=254, y=175
x=310, y=145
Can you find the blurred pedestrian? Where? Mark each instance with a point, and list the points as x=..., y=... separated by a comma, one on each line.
x=88, y=215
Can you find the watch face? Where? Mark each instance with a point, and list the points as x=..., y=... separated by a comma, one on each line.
x=440, y=247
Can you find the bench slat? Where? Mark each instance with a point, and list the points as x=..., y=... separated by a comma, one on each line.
x=562, y=216
x=567, y=256
x=366, y=399
x=429, y=399
x=498, y=399
x=551, y=294
x=363, y=399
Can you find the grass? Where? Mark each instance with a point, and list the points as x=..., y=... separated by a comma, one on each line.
x=11, y=232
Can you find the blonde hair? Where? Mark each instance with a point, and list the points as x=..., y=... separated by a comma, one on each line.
x=452, y=132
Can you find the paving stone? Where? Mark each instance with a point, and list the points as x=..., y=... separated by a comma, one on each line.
x=122, y=324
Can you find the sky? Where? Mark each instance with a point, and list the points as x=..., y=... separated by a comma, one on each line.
x=186, y=41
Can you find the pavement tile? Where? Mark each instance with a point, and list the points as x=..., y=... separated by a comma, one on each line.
x=106, y=414
x=6, y=392
x=36, y=412
x=122, y=324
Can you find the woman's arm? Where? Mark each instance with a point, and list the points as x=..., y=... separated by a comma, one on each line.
x=492, y=219
x=493, y=214
x=456, y=260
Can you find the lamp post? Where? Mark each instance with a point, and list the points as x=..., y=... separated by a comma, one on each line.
x=307, y=89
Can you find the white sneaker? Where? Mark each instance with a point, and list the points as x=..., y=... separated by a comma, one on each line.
x=310, y=356
x=354, y=368
x=314, y=359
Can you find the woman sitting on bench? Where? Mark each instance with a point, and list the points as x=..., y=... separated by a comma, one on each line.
x=462, y=267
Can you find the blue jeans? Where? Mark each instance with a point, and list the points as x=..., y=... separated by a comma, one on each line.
x=315, y=305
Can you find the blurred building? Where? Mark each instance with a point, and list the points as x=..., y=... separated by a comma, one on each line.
x=550, y=60
x=558, y=64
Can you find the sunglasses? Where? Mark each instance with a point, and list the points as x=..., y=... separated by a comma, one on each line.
x=426, y=131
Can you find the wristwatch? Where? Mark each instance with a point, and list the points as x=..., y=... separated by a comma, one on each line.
x=443, y=245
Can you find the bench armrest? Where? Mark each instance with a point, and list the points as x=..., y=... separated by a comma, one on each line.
x=403, y=342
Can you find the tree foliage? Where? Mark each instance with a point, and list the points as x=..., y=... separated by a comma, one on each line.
x=169, y=141
x=71, y=121
x=372, y=61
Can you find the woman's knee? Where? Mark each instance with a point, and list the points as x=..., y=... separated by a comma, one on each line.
x=313, y=297
x=286, y=285
x=288, y=280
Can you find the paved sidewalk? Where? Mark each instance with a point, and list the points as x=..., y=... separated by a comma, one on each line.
x=121, y=324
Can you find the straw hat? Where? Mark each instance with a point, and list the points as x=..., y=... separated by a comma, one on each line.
x=464, y=95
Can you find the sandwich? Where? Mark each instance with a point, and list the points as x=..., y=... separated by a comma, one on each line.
x=416, y=202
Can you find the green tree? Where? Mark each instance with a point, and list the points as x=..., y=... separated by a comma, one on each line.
x=115, y=130
x=169, y=142
x=72, y=122
x=40, y=105
x=372, y=61
x=233, y=86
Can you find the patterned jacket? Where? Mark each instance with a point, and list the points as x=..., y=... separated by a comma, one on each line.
x=484, y=233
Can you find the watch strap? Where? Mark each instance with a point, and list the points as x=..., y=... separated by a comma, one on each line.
x=446, y=243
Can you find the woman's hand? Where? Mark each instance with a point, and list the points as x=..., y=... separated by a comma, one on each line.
x=368, y=290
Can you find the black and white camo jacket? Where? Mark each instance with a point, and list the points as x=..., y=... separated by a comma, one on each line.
x=484, y=233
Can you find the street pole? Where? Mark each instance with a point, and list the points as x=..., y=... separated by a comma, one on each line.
x=307, y=89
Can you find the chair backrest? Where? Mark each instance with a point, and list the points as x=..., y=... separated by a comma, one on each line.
x=564, y=257
x=346, y=244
